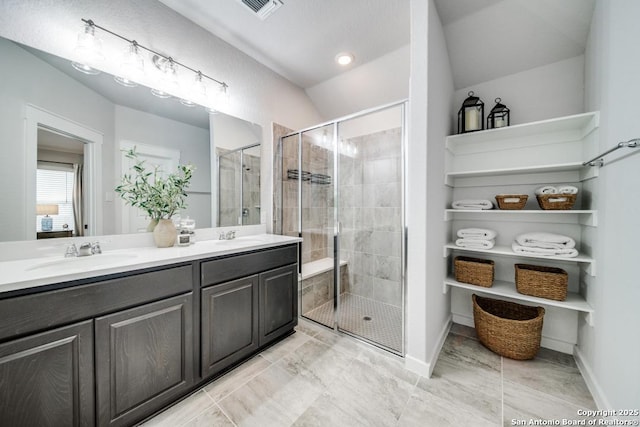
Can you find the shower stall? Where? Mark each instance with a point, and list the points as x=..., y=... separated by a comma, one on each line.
x=342, y=191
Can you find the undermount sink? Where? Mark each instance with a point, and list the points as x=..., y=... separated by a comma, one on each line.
x=83, y=262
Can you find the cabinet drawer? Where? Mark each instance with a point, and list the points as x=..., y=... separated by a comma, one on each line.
x=236, y=266
x=29, y=313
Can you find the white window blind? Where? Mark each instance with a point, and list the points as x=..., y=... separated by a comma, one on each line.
x=55, y=187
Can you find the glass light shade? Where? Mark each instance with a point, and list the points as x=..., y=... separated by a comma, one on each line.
x=167, y=77
x=131, y=67
x=222, y=96
x=88, y=51
x=196, y=90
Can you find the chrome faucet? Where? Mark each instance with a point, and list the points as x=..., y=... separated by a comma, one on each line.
x=85, y=249
x=228, y=236
x=71, y=251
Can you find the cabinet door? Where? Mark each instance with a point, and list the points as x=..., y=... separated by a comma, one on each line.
x=144, y=359
x=229, y=323
x=278, y=302
x=47, y=379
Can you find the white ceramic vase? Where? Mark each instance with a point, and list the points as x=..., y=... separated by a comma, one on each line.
x=165, y=233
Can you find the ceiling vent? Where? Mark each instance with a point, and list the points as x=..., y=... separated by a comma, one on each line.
x=262, y=8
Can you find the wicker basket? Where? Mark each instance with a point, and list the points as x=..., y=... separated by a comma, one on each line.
x=540, y=281
x=511, y=201
x=474, y=271
x=509, y=329
x=556, y=201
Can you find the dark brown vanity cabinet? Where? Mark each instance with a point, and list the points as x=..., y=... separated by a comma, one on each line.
x=278, y=303
x=144, y=359
x=46, y=379
x=113, y=350
x=247, y=301
x=229, y=323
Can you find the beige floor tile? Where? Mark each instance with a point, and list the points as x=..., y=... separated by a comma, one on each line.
x=557, y=380
x=212, y=417
x=236, y=378
x=183, y=411
x=524, y=403
x=284, y=347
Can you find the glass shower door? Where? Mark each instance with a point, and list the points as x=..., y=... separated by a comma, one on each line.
x=315, y=175
x=371, y=227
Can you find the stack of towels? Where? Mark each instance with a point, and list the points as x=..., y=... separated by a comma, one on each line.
x=476, y=238
x=472, y=204
x=545, y=244
x=563, y=189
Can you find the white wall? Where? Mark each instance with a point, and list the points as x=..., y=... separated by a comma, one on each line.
x=609, y=351
x=258, y=94
x=193, y=143
x=553, y=90
x=430, y=99
x=381, y=81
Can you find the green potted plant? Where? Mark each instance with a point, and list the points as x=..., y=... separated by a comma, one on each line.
x=156, y=193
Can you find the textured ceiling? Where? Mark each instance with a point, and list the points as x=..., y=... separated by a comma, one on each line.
x=301, y=39
x=486, y=39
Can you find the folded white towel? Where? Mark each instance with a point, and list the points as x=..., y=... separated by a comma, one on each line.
x=472, y=204
x=527, y=250
x=547, y=189
x=567, y=189
x=545, y=241
x=475, y=243
x=477, y=233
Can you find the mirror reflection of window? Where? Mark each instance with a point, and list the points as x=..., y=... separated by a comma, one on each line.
x=55, y=187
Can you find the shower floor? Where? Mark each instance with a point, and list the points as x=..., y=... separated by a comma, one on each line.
x=373, y=320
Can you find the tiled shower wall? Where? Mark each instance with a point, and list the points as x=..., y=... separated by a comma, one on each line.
x=317, y=199
x=370, y=215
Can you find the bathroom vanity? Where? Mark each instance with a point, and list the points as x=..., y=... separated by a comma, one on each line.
x=112, y=348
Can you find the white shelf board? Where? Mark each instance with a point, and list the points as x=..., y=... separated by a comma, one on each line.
x=506, y=251
x=450, y=177
x=508, y=289
x=585, y=217
x=581, y=124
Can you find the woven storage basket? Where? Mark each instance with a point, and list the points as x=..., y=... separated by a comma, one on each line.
x=540, y=281
x=556, y=201
x=511, y=201
x=474, y=271
x=512, y=330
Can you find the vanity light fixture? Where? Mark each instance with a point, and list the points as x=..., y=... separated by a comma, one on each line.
x=197, y=90
x=131, y=67
x=344, y=58
x=89, y=54
x=88, y=50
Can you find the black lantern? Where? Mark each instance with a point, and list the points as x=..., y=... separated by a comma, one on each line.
x=471, y=115
x=499, y=116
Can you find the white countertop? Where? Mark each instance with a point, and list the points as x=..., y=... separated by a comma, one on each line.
x=30, y=273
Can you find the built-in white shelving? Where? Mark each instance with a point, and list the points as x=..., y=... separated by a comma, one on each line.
x=506, y=289
x=584, y=217
x=507, y=251
x=532, y=154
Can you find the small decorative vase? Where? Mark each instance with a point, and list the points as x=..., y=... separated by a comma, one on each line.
x=165, y=233
x=152, y=225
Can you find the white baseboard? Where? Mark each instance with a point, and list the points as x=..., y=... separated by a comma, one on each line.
x=426, y=368
x=418, y=366
x=592, y=384
x=546, y=342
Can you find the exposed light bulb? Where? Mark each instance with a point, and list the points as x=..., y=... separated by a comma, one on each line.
x=222, y=97
x=197, y=90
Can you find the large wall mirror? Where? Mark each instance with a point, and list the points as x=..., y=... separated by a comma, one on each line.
x=63, y=132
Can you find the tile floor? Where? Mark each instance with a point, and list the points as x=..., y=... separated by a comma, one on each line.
x=318, y=378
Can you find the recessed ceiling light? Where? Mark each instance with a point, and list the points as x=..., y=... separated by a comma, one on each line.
x=344, y=58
